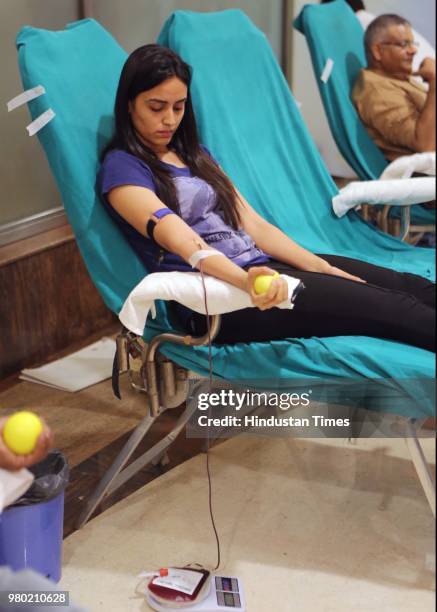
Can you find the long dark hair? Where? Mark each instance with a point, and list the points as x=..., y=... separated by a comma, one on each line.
x=145, y=68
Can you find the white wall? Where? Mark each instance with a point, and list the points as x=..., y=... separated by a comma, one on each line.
x=137, y=22
x=27, y=185
x=421, y=13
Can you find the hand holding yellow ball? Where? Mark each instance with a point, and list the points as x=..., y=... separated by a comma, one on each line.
x=21, y=432
x=263, y=281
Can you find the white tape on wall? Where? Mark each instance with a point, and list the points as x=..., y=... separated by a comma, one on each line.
x=327, y=70
x=40, y=122
x=26, y=96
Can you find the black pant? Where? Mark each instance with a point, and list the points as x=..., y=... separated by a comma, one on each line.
x=392, y=305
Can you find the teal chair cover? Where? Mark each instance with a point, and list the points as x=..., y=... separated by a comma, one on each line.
x=261, y=141
x=333, y=31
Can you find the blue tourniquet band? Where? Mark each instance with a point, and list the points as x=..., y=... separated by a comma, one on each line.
x=151, y=224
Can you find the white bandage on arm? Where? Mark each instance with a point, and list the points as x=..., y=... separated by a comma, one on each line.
x=197, y=256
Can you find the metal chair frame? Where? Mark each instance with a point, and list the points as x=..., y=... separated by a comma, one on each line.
x=403, y=227
x=169, y=391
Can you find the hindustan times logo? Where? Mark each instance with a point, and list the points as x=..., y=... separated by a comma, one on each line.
x=228, y=398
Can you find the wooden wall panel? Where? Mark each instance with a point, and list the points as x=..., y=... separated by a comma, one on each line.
x=47, y=302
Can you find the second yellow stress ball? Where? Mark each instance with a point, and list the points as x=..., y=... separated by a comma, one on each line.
x=21, y=432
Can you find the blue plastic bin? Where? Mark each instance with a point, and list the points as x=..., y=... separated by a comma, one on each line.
x=31, y=537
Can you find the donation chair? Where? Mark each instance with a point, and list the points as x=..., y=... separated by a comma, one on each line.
x=333, y=32
x=261, y=141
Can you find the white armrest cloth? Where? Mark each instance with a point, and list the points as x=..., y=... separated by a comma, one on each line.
x=399, y=192
x=187, y=289
x=407, y=165
x=394, y=185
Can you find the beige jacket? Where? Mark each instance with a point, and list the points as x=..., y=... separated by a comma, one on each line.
x=389, y=108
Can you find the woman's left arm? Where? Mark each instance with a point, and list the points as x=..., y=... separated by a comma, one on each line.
x=275, y=243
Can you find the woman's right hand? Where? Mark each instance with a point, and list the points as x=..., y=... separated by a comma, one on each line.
x=276, y=294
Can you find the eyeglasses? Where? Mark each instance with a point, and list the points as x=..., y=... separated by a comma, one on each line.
x=404, y=44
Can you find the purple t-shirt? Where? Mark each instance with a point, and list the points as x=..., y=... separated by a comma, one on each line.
x=197, y=202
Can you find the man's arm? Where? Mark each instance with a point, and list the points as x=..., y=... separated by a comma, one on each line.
x=425, y=126
x=390, y=111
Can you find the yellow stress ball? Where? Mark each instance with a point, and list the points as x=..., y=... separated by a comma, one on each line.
x=263, y=281
x=21, y=432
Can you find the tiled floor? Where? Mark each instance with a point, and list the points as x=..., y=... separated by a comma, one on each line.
x=86, y=475
x=308, y=525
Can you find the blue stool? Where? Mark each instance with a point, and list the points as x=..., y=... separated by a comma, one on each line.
x=31, y=537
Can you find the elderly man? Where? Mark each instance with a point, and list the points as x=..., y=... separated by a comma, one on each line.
x=365, y=17
x=398, y=112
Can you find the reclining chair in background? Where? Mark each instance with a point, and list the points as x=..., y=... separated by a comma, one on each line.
x=332, y=31
x=263, y=144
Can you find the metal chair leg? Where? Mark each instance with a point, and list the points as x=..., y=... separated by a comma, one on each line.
x=115, y=469
x=421, y=466
x=156, y=452
x=405, y=222
x=161, y=460
x=383, y=219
